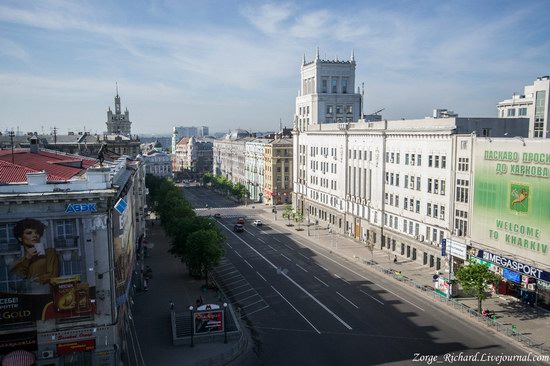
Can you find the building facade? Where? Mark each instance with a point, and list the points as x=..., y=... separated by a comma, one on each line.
x=534, y=104
x=327, y=93
x=229, y=156
x=192, y=158
x=85, y=222
x=278, y=176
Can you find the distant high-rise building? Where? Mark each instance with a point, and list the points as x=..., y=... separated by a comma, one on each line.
x=327, y=93
x=534, y=104
x=118, y=123
x=179, y=132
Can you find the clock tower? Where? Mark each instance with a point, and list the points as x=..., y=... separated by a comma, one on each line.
x=118, y=123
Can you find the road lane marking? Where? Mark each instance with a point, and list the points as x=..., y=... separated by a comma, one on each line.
x=261, y=276
x=286, y=257
x=292, y=281
x=249, y=297
x=345, y=298
x=402, y=298
x=244, y=307
x=271, y=247
x=359, y=275
x=302, y=268
x=343, y=279
x=250, y=265
x=229, y=245
x=304, y=256
x=230, y=283
x=260, y=240
x=320, y=281
x=374, y=298
x=298, y=311
x=230, y=278
x=242, y=292
x=255, y=311
x=322, y=267
x=234, y=288
x=238, y=254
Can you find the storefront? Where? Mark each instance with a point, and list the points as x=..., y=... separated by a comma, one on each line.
x=528, y=283
x=89, y=346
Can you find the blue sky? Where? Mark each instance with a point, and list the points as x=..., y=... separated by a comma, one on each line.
x=236, y=64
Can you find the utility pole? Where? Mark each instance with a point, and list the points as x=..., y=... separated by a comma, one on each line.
x=12, y=134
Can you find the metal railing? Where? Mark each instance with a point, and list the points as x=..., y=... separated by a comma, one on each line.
x=489, y=322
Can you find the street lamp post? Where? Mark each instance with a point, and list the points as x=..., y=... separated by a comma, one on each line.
x=192, y=324
x=224, y=322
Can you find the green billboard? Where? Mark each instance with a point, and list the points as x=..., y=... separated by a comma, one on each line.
x=511, y=198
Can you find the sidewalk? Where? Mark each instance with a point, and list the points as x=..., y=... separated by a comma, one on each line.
x=170, y=282
x=531, y=324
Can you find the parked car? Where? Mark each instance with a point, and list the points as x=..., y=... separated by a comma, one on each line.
x=238, y=228
x=240, y=221
x=217, y=215
x=257, y=223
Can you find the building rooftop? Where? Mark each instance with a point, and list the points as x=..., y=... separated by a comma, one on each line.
x=58, y=166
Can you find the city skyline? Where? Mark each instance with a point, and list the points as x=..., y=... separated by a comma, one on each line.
x=236, y=64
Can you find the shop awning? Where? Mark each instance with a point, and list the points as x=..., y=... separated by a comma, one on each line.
x=18, y=358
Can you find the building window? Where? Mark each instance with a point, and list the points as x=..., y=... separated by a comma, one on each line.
x=522, y=112
x=462, y=190
x=330, y=109
x=338, y=109
x=463, y=164
x=344, y=85
x=324, y=85
x=334, y=83
x=511, y=112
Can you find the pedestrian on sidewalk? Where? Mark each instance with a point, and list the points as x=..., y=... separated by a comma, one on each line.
x=395, y=259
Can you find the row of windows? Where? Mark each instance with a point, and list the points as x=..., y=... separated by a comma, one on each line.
x=463, y=164
x=413, y=228
x=334, y=85
x=436, y=186
x=511, y=112
x=340, y=109
x=437, y=161
x=303, y=110
x=435, y=211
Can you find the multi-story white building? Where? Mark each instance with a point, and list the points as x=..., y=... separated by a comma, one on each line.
x=389, y=183
x=255, y=167
x=179, y=132
x=230, y=156
x=158, y=163
x=534, y=104
x=192, y=157
x=327, y=93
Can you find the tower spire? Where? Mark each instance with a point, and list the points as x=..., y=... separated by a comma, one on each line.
x=304, y=59
x=317, y=55
x=352, y=54
x=116, y=83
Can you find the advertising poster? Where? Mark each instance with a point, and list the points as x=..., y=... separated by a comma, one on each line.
x=511, y=202
x=209, y=321
x=123, y=243
x=43, y=271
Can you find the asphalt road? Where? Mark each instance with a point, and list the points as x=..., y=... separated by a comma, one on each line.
x=305, y=306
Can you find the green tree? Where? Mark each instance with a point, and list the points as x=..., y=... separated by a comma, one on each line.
x=205, y=248
x=474, y=279
x=288, y=213
x=299, y=218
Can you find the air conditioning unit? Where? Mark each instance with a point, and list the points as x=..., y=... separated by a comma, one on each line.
x=458, y=232
x=47, y=354
x=420, y=237
x=441, y=216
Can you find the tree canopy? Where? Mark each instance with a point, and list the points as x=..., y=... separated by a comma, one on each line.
x=196, y=240
x=474, y=279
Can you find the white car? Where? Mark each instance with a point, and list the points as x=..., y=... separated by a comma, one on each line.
x=257, y=223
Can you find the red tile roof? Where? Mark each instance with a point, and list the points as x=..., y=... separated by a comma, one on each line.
x=58, y=166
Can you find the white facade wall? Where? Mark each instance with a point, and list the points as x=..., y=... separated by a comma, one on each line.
x=534, y=103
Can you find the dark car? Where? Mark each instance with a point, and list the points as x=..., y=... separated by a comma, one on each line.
x=240, y=221
x=238, y=228
x=217, y=215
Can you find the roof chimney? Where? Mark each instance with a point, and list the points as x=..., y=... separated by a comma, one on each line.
x=34, y=144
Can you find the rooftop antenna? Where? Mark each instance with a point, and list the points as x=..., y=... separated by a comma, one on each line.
x=116, y=83
x=280, y=125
